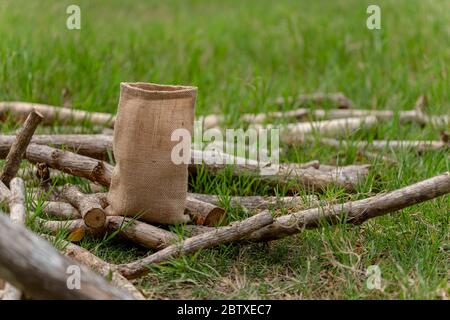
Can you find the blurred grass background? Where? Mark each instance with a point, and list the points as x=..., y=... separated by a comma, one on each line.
x=240, y=55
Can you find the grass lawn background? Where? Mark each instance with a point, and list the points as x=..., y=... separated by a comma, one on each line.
x=241, y=54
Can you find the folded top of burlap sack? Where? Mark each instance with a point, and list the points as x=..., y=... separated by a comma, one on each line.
x=156, y=91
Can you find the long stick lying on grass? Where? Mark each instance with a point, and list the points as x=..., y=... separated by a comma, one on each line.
x=60, y=209
x=222, y=235
x=71, y=163
x=54, y=114
x=143, y=234
x=100, y=266
x=356, y=212
x=261, y=202
x=302, y=114
x=89, y=207
x=290, y=175
x=318, y=98
x=336, y=98
x=18, y=216
x=296, y=132
x=98, y=146
x=18, y=147
x=32, y=265
x=418, y=145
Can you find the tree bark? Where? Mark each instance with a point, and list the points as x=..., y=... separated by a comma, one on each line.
x=100, y=266
x=87, y=205
x=71, y=163
x=37, y=269
x=261, y=202
x=204, y=213
x=18, y=147
x=143, y=234
x=18, y=216
x=321, y=114
x=56, y=209
x=355, y=212
x=218, y=236
x=54, y=114
x=418, y=145
x=293, y=133
x=289, y=174
x=98, y=146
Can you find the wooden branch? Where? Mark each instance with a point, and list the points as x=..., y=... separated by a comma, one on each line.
x=338, y=98
x=18, y=216
x=100, y=171
x=318, y=98
x=297, y=132
x=87, y=205
x=5, y=194
x=204, y=213
x=141, y=233
x=218, y=236
x=356, y=212
x=37, y=269
x=289, y=175
x=98, y=146
x=56, y=209
x=71, y=163
x=414, y=115
x=54, y=114
x=18, y=147
x=100, y=266
x=418, y=145
x=262, y=202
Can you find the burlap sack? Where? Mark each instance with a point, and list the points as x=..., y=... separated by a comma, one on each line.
x=145, y=181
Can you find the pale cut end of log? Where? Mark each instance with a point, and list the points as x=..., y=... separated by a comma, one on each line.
x=89, y=207
x=204, y=213
x=95, y=218
x=19, y=146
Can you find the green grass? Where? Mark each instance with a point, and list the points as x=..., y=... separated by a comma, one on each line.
x=240, y=55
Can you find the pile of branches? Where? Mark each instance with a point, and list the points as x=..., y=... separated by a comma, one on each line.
x=31, y=266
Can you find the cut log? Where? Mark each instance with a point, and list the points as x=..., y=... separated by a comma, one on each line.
x=98, y=146
x=56, y=209
x=71, y=163
x=321, y=114
x=262, y=202
x=204, y=213
x=102, y=267
x=318, y=98
x=418, y=145
x=218, y=236
x=18, y=147
x=336, y=98
x=5, y=194
x=100, y=171
x=87, y=205
x=143, y=234
x=52, y=114
x=32, y=265
x=356, y=212
x=293, y=133
x=18, y=216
